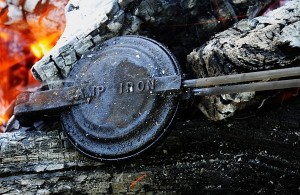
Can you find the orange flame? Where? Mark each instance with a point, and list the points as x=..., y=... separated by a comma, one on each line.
x=43, y=45
x=4, y=36
x=23, y=41
x=4, y=118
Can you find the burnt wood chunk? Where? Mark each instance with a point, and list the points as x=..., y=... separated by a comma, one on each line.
x=262, y=43
x=254, y=152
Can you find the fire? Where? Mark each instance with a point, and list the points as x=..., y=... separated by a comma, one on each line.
x=28, y=30
x=4, y=36
x=44, y=45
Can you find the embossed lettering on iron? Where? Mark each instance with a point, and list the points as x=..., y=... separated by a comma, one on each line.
x=145, y=85
x=84, y=92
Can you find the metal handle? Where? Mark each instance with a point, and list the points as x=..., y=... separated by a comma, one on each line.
x=240, y=78
x=205, y=90
x=59, y=99
x=262, y=86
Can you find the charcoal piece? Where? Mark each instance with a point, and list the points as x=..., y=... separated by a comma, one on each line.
x=116, y=23
x=60, y=62
x=263, y=43
x=50, y=71
x=69, y=57
x=83, y=46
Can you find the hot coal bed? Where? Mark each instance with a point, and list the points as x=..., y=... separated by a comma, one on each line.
x=256, y=150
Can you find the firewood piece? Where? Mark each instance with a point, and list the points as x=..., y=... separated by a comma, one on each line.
x=254, y=152
x=266, y=42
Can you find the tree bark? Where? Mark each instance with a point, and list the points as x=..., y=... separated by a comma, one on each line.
x=255, y=152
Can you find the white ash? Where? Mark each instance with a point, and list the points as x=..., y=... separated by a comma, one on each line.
x=30, y=5
x=3, y=4
x=14, y=14
x=291, y=35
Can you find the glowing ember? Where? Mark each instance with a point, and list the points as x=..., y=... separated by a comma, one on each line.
x=43, y=45
x=28, y=29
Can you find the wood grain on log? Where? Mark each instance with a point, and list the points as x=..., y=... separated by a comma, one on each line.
x=254, y=152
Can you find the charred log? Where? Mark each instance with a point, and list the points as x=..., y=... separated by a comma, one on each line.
x=266, y=42
x=254, y=152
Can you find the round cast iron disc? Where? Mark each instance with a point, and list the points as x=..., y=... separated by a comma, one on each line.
x=121, y=116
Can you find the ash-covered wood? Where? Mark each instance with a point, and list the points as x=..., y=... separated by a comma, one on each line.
x=266, y=42
x=181, y=25
x=254, y=152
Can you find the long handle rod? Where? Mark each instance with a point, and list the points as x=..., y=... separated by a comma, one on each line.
x=260, y=86
x=245, y=77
